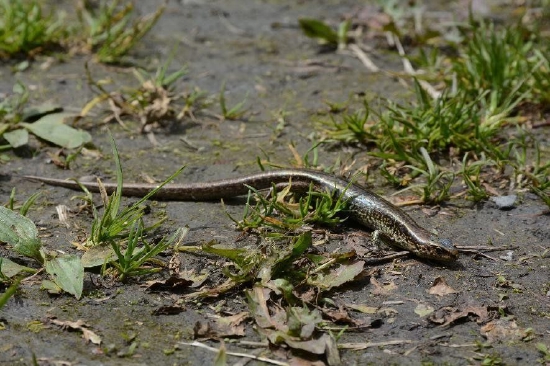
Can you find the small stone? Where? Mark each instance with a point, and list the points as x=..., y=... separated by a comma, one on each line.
x=505, y=202
x=508, y=257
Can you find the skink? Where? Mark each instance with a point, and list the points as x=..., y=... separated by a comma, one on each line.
x=389, y=223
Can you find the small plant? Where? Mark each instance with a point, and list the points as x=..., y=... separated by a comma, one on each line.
x=471, y=174
x=233, y=113
x=133, y=261
x=353, y=128
x=437, y=183
x=314, y=28
x=282, y=213
x=124, y=227
x=500, y=62
x=66, y=271
x=155, y=101
x=109, y=31
x=25, y=29
x=545, y=353
x=115, y=223
x=47, y=122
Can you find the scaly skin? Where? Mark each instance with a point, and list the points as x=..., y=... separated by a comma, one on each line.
x=388, y=221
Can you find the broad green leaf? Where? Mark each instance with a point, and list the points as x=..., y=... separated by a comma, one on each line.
x=19, y=232
x=35, y=112
x=98, y=255
x=68, y=273
x=51, y=287
x=52, y=129
x=317, y=29
x=17, y=138
x=9, y=268
x=236, y=255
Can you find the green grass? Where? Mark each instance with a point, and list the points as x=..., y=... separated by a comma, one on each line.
x=231, y=113
x=111, y=31
x=491, y=77
x=283, y=211
x=27, y=29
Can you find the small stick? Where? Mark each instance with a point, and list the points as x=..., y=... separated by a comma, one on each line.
x=359, y=346
x=237, y=354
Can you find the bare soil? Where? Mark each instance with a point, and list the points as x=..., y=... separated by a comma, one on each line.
x=501, y=298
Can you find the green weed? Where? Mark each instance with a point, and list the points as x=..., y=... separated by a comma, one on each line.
x=281, y=212
x=110, y=31
x=26, y=29
x=233, y=113
x=471, y=175
x=437, y=183
x=314, y=28
x=12, y=107
x=124, y=227
x=116, y=223
x=156, y=100
x=46, y=121
x=134, y=260
x=503, y=62
x=24, y=209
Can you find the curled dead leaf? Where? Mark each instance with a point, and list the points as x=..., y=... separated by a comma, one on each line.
x=449, y=314
x=80, y=326
x=441, y=288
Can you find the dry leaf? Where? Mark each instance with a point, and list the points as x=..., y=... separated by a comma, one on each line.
x=504, y=329
x=168, y=310
x=79, y=325
x=363, y=308
x=441, y=288
x=216, y=331
x=380, y=289
x=173, y=284
x=448, y=314
x=423, y=310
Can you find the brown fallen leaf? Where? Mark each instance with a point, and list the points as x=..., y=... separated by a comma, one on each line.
x=222, y=327
x=341, y=316
x=441, y=288
x=233, y=320
x=173, y=284
x=168, y=310
x=504, y=329
x=79, y=325
x=382, y=289
x=448, y=314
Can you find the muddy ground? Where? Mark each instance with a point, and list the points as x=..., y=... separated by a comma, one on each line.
x=256, y=48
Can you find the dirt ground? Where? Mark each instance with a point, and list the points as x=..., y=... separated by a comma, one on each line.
x=499, y=309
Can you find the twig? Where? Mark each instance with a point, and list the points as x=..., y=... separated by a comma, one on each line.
x=362, y=56
x=386, y=258
x=486, y=248
x=359, y=346
x=237, y=354
x=409, y=69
